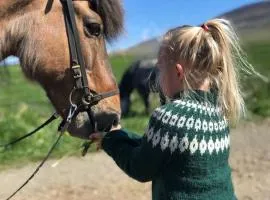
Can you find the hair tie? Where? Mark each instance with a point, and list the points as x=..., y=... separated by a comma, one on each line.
x=205, y=27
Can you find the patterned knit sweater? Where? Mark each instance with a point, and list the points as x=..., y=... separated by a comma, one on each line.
x=184, y=151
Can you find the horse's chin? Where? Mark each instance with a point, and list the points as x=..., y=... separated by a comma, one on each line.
x=81, y=126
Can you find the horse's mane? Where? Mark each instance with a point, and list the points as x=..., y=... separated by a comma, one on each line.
x=111, y=13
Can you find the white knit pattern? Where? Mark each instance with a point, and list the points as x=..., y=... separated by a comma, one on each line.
x=156, y=138
x=184, y=143
x=192, y=145
x=207, y=139
x=193, y=105
x=164, y=143
x=174, y=144
x=190, y=123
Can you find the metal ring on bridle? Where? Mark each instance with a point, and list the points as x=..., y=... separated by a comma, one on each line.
x=70, y=97
x=86, y=100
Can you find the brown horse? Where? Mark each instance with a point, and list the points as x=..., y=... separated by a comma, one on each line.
x=34, y=31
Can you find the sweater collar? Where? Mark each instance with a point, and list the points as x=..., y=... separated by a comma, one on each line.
x=199, y=95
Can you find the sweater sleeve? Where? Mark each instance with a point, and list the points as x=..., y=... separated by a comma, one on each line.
x=141, y=160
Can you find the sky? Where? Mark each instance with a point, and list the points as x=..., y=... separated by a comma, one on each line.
x=146, y=19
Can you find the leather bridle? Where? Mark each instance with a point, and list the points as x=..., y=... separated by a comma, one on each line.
x=88, y=98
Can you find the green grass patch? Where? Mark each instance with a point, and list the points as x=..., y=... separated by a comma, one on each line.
x=258, y=91
x=120, y=64
x=24, y=106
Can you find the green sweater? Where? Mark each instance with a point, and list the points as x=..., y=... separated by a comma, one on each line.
x=184, y=151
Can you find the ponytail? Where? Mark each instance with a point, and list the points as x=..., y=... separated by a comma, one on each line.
x=212, y=51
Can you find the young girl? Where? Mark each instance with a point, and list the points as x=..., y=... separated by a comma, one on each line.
x=185, y=149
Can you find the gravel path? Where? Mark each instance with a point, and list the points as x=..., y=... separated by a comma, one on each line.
x=97, y=177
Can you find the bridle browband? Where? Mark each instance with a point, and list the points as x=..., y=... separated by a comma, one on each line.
x=89, y=97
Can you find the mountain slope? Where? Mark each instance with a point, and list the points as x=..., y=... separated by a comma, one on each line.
x=251, y=21
x=252, y=18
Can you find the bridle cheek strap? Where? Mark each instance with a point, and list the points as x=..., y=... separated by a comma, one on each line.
x=77, y=62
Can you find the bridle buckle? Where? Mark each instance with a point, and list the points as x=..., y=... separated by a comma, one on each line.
x=77, y=71
x=91, y=100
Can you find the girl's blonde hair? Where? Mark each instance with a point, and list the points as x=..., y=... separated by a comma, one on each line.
x=211, y=51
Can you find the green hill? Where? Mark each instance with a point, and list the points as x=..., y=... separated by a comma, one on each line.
x=251, y=21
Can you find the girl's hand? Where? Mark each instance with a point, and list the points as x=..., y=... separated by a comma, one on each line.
x=97, y=137
x=118, y=127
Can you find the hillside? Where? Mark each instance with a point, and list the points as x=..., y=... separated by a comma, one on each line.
x=251, y=21
x=251, y=18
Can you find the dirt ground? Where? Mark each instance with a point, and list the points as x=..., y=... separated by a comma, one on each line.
x=96, y=177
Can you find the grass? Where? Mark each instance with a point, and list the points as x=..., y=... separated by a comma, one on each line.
x=24, y=105
x=257, y=90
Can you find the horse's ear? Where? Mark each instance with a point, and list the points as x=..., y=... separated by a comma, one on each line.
x=112, y=15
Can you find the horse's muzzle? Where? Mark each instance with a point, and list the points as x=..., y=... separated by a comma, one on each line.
x=82, y=127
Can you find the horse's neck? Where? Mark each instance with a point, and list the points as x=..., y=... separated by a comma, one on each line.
x=125, y=89
x=7, y=43
x=13, y=24
x=12, y=35
x=4, y=20
x=2, y=41
x=126, y=85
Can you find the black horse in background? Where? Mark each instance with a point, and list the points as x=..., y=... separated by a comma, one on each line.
x=141, y=75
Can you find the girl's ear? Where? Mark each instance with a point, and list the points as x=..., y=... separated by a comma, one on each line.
x=179, y=71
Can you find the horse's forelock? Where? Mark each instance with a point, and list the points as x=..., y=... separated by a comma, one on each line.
x=112, y=15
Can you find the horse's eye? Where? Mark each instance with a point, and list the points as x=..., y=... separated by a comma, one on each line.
x=93, y=29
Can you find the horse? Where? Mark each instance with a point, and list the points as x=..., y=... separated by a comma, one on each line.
x=141, y=75
x=36, y=32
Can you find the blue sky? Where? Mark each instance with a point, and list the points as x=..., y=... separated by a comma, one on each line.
x=145, y=19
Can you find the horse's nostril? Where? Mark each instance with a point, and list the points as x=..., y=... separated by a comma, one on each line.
x=106, y=121
x=115, y=121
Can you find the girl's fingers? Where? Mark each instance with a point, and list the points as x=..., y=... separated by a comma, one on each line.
x=95, y=136
x=116, y=127
x=98, y=146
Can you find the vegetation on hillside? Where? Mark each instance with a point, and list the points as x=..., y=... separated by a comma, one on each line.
x=258, y=91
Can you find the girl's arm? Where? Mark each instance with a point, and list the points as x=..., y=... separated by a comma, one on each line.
x=142, y=160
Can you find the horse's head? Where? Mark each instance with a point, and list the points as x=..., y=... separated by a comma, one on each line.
x=35, y=31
